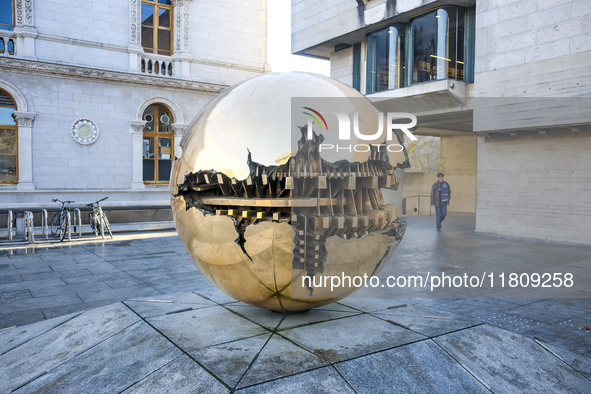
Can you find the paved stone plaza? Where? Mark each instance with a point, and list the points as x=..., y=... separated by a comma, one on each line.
x=134, y=315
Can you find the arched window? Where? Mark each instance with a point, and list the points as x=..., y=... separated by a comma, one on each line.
x=157, y=26
x=158, y=144
x=8, y=140
x=6, y=14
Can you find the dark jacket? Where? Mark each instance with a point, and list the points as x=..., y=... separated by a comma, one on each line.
x=436, y=195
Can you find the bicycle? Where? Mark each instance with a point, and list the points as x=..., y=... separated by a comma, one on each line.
x=98, y=219
x=61, y=220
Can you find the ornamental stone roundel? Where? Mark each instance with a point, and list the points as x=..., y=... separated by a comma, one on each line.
x=85, y=131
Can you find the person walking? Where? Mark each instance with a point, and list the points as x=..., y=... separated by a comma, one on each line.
x=440, y=197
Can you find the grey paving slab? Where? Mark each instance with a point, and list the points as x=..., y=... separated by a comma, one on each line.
x=76, y=280
x=569, y=334
x=548, y=311
x=149, y=309
x=477, y=307
x=118, y=294
x=322, y=381
x=335, y=306
x=28, y=268
x=280, y=358
x=20, y=317
x=12, y=295
x=314, y=316
x=182, y=375
x=56, y=311
x=10, y=278
x=11, y=338
x=33, y=284
x=68, y=289
x=186, y=297
x=57, y=346
x=371, y=304
x=110, y=366
x=350, y=337
x=44, y=302
x=229, y=361
x=421, y=367
x=265, y=318
x=426, y=320
x=204, y=327
x=513, y=322
x=508, y=362
x=580, y=363
x=215, y=295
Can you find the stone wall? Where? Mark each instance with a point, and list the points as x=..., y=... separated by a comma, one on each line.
x=536, y=186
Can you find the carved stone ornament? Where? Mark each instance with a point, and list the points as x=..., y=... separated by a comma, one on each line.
x=24, y=12
x=24, y=119
x=85, y=131
x=137, y=126
x=179, y=129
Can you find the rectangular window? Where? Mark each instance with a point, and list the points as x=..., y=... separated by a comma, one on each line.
x=385, y=59
x=6, y=14
x=157, y=26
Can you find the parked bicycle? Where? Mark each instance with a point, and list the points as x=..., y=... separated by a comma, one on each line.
x=98, y=219
x=61, y=220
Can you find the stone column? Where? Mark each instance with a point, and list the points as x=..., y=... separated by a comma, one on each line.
x=179, y=131
x=24, y=122
x=24, y=29
x=135, y=35
x=182, y=49
x=136, y=128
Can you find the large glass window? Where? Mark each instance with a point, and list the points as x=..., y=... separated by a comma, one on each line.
x=157, y=26
x=385, y=60
x=6, y=14
x=158, y=144
x=8, y=140
x=438, y=45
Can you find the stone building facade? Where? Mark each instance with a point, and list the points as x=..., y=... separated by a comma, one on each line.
x=504, y=83
x=95, y=96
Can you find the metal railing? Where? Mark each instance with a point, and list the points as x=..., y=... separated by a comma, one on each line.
x=78, y=224
x=29, y=227
x=9, y=225
x=418, y=208
x=44, y=223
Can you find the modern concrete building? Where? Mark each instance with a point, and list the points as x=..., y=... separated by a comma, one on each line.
x=502, y=82
x=95, y=96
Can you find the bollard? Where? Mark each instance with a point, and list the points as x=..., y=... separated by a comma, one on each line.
x=78, y=227
x=9, y=225
x=44, y=224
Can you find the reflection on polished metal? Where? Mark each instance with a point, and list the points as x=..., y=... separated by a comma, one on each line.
x=256, y=229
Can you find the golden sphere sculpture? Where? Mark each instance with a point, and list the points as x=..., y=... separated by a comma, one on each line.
x=264, y=214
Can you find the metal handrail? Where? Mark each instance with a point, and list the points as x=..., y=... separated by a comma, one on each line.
x=418, y=196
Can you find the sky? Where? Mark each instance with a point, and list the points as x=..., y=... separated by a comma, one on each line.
x=279, y=43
